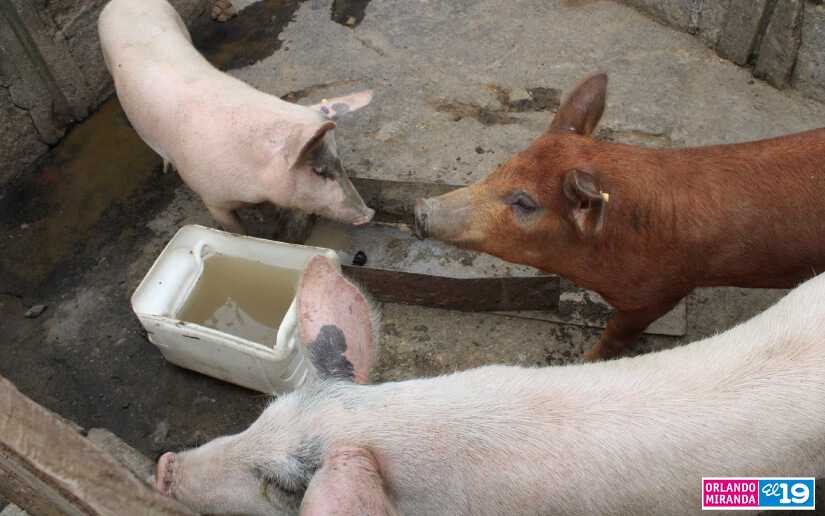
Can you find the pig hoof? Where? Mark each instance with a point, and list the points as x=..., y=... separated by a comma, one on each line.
x=592, y=356
x=222, y=10
x=165, y=474
x=604, y=351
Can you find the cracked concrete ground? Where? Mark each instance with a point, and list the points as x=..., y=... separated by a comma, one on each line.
x=455, y=84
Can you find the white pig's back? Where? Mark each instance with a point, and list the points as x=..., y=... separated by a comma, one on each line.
x=588, y=439
x=147, y=29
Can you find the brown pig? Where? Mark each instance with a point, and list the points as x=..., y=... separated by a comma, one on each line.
x=644, y=227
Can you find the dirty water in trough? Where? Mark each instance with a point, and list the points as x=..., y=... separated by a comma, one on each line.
x=73, y=226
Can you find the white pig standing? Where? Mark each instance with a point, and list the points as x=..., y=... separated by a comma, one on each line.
x=631, y=436
x=232, y=144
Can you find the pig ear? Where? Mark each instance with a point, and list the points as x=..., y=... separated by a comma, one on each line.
x=583, y=109
x=305, y=140
x=587, y=201
x=333, y=108
x=336, y=323
x=348, y=484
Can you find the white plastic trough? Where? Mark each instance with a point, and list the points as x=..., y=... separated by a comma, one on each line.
x=163, y=293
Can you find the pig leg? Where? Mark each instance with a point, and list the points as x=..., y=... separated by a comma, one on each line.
x=227, y=218
x=222, y=10
x=624, y=328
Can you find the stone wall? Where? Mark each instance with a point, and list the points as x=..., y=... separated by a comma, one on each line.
x=51, y=73
x=783, y=40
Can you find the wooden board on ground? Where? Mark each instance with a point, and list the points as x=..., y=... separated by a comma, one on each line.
x=403, y=269
x=587, y=308
x=47, y=468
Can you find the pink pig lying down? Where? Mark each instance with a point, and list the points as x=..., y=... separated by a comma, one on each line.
x=630, y=436
x=232, y=144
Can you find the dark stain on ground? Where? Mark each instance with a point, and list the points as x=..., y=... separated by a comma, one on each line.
x=314, y=90
x=537, y=99
x=247, y=38
x=486, y=116
x=349, y=13
x=576, y=3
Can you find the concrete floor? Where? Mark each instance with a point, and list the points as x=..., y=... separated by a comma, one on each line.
x=438, y=68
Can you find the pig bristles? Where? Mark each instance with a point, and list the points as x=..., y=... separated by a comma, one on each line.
x=375, y=319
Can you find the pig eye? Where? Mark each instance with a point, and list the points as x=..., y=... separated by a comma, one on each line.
x=288, y=486
x=523, y=204
x=323, y=172
x=289, y=490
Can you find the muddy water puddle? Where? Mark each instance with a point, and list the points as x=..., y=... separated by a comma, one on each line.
x=45, y=214
x=241, y=297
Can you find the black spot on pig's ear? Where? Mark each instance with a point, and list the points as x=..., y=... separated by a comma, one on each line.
x=327, y=354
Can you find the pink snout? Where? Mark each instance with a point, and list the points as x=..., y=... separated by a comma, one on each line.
x=165, y=473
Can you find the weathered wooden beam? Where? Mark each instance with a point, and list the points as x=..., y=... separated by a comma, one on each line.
x=49, y=469
x=468, y=294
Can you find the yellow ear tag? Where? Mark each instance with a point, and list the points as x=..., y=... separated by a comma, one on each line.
x=605, y=196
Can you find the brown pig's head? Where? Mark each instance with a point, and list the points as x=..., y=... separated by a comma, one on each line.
x=295, y=448
x=538, y=205
x=321, y=184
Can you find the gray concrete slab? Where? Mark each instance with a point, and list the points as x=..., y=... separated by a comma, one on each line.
x=442, y=70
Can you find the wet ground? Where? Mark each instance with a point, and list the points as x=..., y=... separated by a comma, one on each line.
x=460, y=85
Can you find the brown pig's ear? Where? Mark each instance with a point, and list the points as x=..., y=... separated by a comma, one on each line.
x=583, y=109
x=336, y=323
x=587, y=201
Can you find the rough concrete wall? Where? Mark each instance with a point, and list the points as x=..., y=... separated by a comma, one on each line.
x=51, y=73
x=744, y=23
x=809, y=72
x=76, y=25
x=780, y=43
x=675, y=13
x=784, y=40
x=704, y=18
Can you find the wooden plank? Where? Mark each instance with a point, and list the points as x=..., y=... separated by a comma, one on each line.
x=47, y=468
x=469, y=294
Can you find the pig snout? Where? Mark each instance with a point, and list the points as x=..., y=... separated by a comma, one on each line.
x=367, y=216
x=446, y=217
x=337, y=200
x=355, y=210
x=164, y=474
x=355, y=216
